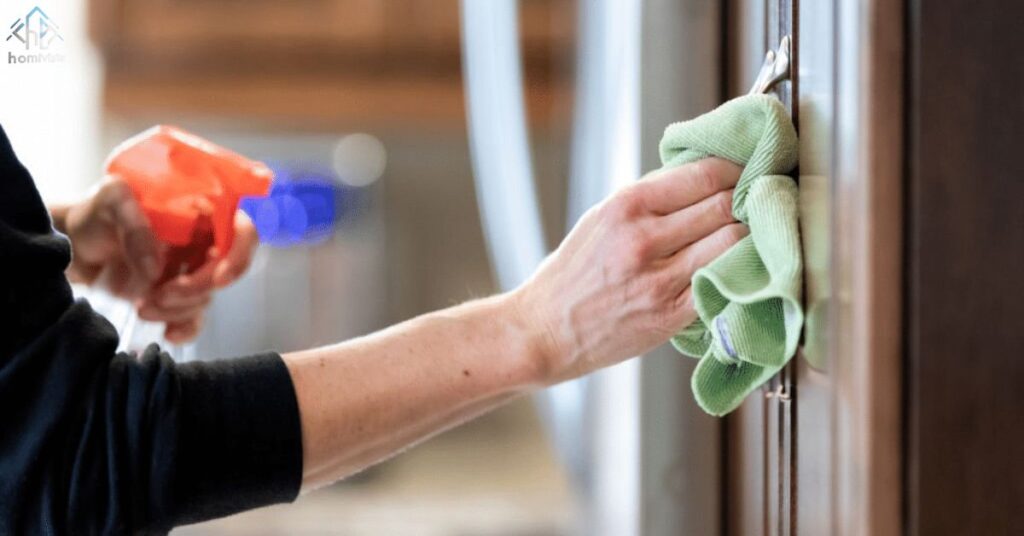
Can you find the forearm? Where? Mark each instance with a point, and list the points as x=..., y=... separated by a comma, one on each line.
x=362, y=401
x=616, y=287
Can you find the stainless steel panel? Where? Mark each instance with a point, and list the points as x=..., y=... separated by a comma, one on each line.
x=680, y=445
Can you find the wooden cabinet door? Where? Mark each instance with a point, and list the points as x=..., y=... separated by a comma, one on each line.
x=817, y=451
x=759, y=436
x=965, y=252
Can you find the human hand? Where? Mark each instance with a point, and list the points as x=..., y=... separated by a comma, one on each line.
x=114, y=246
x=619, y=284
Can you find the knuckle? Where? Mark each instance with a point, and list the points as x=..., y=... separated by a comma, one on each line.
x=733, y=233
x=116, y=189
x=639, y=246
x=627, y=204
x=738, y=231
x=636, y=255
x=704, y=175
x=723, y=205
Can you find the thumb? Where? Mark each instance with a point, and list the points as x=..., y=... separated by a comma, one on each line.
x=239, y=257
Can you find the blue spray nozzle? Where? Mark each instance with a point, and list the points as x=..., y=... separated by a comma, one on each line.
x=297, y=211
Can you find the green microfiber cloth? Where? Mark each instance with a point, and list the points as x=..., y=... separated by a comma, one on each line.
x=748, y=299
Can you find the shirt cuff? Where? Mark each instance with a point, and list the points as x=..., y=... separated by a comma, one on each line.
x=240, y=437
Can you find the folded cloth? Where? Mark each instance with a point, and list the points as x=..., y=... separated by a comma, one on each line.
x=748, y=299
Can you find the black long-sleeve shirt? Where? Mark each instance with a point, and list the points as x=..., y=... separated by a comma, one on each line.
x=93, y=442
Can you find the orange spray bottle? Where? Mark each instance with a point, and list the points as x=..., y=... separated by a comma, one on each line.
x=189, y=190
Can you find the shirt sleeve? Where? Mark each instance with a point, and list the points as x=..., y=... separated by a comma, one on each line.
x=93, y=442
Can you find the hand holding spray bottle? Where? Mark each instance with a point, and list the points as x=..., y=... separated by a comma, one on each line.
x=189, y=190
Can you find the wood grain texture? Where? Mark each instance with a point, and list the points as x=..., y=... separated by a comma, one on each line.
x=867, y=262
x=965, y=307
x=843, y=446
x=760, y=462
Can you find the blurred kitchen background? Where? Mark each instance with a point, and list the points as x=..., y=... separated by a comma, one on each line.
x=428, y=152
x=361, y=101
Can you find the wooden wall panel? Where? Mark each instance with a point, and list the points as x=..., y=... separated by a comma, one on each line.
x=965, y=308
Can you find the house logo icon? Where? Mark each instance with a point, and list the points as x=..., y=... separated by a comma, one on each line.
x=35, y=32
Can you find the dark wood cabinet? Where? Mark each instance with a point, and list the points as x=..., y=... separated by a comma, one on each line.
x=907, y=418
x=965, y=249
x=818, y=449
